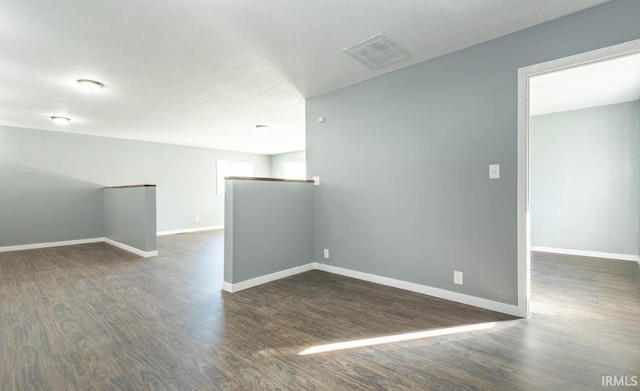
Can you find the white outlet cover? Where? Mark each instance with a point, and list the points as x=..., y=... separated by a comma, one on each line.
x=458, y=278
x=316, y=180
x=326, y=253
x=494, y=171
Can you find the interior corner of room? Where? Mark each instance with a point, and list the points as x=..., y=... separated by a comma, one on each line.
x=424, y=177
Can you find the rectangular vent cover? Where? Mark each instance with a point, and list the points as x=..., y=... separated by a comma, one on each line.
x=377, y=52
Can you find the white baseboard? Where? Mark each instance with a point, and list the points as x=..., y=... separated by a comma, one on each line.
x=50, y=244
x=232, y=288
x=423, y=289
x=584, y=253
x=144, y=254
x=409, y=286
x=188, y=230
x=227, y=287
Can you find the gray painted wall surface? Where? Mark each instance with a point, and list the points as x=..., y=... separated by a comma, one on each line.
x=271, y=227
x=277, y=161
x=130, y=216
x=185, y=176
x=403, y=158
x=38, y=206
x=150, y=220
x=583, y=179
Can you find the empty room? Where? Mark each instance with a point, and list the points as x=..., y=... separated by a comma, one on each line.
x=238, y=195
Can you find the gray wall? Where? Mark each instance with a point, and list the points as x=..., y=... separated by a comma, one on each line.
x=403, y=158
x=277, y=161
x=130, y=216
x=38, y=206
x=583, y=179
x=268, y=227
x=185, y=176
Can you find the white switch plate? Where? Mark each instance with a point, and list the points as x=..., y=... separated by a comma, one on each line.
x=316, y=180
x=457, y=278
x=197, y=218
x=326, y=253
x=494, y=171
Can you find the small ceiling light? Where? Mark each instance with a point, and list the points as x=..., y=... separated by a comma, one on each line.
x=60, y=120
x=90, y=86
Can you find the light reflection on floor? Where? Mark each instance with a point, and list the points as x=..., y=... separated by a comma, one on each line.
x=358, y=343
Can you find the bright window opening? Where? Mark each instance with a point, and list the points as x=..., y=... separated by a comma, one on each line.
x=294, y=170
x=232, y=168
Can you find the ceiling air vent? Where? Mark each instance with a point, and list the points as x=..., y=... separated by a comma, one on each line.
x=377, y=52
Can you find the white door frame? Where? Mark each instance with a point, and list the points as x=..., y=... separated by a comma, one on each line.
x=523, y=224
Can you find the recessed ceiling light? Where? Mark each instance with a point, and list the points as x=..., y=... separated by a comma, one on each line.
x=60, y=120
x=90, y=86
x=377, y=52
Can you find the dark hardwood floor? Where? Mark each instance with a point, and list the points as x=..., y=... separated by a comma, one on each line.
x=93, y=317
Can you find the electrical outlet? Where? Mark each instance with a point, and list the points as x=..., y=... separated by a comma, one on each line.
x=197, y=218
x=316, y=180
x=326, y=253
x=494, y=171
x=457, y=278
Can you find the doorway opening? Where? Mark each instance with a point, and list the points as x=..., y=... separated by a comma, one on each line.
x=525, y=105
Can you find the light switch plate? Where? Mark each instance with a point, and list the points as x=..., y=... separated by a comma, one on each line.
x=494, y=171
x=316, y=180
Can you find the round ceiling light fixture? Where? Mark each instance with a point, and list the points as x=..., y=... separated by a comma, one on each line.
x=90, y=86
x=60, y=120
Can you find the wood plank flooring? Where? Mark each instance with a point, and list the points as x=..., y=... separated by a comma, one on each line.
x=93, y=317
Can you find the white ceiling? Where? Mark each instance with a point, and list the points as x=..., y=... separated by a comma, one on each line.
x=595, y=84
x=205, y=72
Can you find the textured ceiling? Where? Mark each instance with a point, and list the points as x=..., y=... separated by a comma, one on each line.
x=205, y=72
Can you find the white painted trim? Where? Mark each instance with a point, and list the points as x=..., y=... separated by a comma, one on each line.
x=50, y=244
x=409, y=286
x=423, y=289
x=586, y=253
x=238, y=286
x=522, y=236
x=188, y=230
x=144, y=254
x=583, y=58
x=523, y=224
